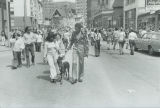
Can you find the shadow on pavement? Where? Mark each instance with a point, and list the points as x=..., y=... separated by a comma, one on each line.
x=156, y=54
x=42, y=63
x=46, y=72
x=9, y=66
x=46, y=77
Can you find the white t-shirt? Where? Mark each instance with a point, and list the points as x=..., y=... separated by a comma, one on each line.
x=67, y=35
x=143, y=33
x=29, y=38
x=19, y=44
x=97, y=36
x=39, y=38
x=12, y=41
x=50, y=48
x=92, y=34
x=132, y=36
x=121, y=36
x=116, y=34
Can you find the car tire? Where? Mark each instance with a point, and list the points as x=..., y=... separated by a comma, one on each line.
x=150, y=50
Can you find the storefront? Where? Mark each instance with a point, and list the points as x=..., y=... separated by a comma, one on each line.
x=103, y=21
x=130, y=18
x=149, y=21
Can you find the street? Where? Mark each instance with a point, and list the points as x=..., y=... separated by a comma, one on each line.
x=111, y=80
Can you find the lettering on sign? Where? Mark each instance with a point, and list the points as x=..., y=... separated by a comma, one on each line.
x=152, y=2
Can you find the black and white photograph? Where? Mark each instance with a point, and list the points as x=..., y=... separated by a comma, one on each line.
x=79, y=53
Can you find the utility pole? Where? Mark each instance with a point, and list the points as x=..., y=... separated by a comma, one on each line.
x=25, y=14
x=8, y=19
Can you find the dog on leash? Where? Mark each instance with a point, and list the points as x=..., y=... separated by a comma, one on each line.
x=63, y=67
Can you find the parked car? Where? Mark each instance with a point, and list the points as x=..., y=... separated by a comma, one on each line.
x=149, y=42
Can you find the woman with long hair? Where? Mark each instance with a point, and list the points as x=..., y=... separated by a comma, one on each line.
x=50, y=54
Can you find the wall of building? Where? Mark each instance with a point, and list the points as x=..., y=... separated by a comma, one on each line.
x=18, y=8
x=81, y=8
x=140, y=8
x=118, y=17
x=28, y=12
x=103, y=14
x=3, y=15
x=132, y=8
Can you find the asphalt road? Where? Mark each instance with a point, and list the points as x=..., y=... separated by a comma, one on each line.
x=111, y=80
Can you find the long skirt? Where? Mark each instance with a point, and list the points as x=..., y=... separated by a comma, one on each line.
x=97, y=48
x=78, y=62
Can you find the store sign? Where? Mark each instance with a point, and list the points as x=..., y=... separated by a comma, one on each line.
x=152, y=2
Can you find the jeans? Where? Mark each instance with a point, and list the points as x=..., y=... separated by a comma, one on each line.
x=97, y=48
x=29, y=48
x=121, y=45
x=17, y=58
x=132, y=45
x=115, y=43
x=38, y=46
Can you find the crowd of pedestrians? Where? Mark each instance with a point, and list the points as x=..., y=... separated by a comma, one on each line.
x=54, y=43
x=57, y=42
x=115, y=38
x=23, y=44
